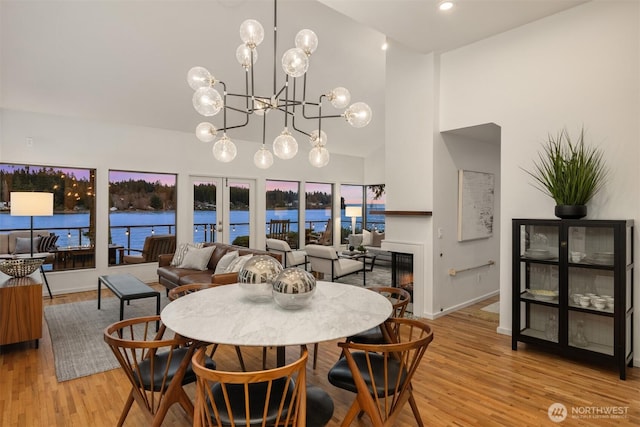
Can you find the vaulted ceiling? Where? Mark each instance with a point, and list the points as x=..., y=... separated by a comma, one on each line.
x=126, y=61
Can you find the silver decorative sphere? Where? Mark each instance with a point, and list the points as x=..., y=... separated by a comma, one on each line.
x=256, y=276
x=293, y=288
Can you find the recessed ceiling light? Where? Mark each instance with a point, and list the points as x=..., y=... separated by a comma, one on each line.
x=445, y=5
x=384, y=46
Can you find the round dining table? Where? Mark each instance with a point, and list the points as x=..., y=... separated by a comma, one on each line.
x=225, y=315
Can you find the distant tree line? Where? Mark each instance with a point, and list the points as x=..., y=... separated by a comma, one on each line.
x=142, y=195
x=69, y=192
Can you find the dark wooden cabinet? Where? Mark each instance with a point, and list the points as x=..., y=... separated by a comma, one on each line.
x=573, y=288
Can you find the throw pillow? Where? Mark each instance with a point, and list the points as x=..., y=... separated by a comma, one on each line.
x=197, y=258
x=238, y=263
x=224, y=262
x=23, y=245
x=48, y=243
x=366, y=238
x=376, y=239
x=355, y=240
x=178, y=256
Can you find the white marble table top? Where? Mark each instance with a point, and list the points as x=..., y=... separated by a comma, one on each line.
x=224, y=315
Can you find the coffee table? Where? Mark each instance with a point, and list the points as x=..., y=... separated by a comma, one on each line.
x=360, y=255
x=127, y=287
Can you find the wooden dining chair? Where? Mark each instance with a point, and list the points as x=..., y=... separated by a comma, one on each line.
x=399, y=299
x=157, y=367
x=179, y=291
x=381, y=374
x=259, y=398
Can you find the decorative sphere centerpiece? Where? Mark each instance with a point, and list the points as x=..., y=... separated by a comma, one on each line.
x=293, y=288
x=256, y=277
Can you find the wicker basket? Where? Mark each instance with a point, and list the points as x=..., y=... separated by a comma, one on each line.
x=20, y=267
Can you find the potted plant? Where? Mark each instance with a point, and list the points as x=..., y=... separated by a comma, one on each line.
x=570, y=173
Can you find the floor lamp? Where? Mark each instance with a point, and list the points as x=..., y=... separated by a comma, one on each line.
x=353, y=212
x=33, y=204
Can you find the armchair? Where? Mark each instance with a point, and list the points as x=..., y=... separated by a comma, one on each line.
x=324, y=259
x=154, y=246
x=290, y=257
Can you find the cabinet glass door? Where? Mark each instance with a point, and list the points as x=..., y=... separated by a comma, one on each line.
x=539, y=280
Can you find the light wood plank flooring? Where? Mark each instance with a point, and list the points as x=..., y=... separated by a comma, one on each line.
x=469, y=377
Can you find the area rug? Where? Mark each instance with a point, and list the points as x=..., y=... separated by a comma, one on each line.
x=77, y=328
x=380, y=276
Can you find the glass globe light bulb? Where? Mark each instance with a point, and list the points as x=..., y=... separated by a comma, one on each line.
x=224, y=150
x=207, y=101
x=251, y=33
x=339, y=97
x=263, y=158
x=307, y=41
x=206, y=132
x=318, y=141
x=198, y=77
x=358, y=115
x=295, y=62
x=285, y=145
x=319, y=156
x=243, y=55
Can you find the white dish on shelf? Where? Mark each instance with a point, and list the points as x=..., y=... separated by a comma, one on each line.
x=543, y=294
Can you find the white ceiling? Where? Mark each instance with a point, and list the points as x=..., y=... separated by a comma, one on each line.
x=126, y=62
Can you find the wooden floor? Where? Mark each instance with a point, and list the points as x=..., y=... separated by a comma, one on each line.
x=469, y=377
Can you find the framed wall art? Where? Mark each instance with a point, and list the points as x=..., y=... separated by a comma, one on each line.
x=475, y=205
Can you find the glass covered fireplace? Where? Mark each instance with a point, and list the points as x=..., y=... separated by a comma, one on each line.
x=402, y=271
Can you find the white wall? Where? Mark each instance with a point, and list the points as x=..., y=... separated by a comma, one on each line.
x=455, y=152
x=409, y=160
x=63, y=141
x=579, y=67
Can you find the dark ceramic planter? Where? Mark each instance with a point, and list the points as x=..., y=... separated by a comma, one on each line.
x=571, y=211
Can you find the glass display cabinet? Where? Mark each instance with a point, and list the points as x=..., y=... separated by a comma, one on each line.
x=573, y=288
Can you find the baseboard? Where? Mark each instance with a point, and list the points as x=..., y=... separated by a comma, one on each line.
x=444, y=312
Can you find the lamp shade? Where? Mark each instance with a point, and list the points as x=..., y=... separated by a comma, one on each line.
x=31, y=204
x=353, y=211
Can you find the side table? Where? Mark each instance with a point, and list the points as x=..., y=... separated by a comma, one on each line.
x=20, y=308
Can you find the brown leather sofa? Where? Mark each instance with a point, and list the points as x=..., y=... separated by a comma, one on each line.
x=171, y=277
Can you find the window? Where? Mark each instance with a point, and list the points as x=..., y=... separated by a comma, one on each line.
x=74, y=215
x=318, y=212
x=376, y=199
x=141, y=204
x=283, y=203
x=351, y=196
x=205, y=211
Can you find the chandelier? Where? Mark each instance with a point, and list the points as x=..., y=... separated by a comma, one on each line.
x=287, y=99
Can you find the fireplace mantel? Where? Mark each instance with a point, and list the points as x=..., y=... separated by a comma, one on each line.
x=401, y=213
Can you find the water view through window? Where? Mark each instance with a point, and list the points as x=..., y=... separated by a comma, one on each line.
x=73, y=220
x=141, y=204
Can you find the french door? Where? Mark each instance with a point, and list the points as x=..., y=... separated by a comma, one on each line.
x=223, y=210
